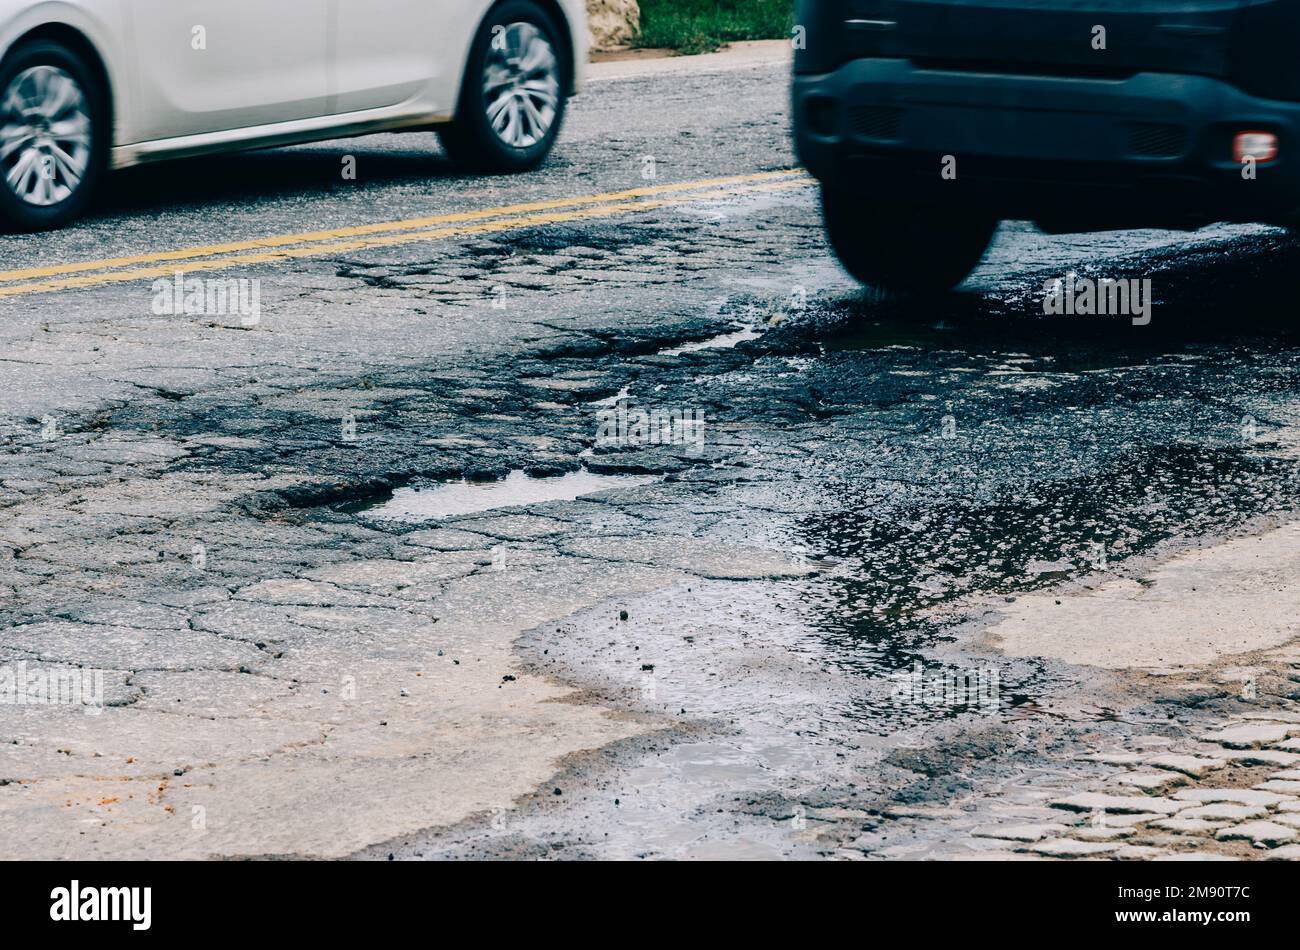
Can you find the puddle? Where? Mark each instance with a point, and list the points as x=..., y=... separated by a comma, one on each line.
x=722, y=341
x=794, y=716
x=516, y=489
x=614, y=400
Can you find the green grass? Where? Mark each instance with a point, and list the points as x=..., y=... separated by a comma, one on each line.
x=698, y=26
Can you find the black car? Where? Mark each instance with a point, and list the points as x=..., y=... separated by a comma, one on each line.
x=929, y=121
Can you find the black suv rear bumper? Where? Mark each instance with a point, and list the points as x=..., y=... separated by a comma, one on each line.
x=1150, y=149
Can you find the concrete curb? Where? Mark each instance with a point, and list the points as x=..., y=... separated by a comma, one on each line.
x=752, y=54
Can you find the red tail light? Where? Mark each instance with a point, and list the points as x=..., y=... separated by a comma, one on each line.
x=1261, y=146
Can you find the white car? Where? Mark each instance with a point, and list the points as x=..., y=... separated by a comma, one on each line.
x=92, y=85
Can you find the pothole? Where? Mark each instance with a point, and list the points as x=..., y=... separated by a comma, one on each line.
x=723, y=341
x=466, y=497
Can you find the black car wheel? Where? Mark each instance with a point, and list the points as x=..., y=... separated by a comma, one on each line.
x=54, y=135
x=513, y=97
x=909, y=249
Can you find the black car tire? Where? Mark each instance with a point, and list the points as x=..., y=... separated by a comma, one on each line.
x=900, y=248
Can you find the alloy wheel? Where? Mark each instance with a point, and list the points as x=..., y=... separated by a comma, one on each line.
x=521, y=84
x=45, y=135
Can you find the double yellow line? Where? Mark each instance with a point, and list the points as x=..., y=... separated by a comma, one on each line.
x=41, y=280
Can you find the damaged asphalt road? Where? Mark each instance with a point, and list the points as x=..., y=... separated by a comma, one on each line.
x=714, y=657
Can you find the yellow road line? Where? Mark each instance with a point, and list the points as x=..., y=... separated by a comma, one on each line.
x=286, y=240
x=409, y=237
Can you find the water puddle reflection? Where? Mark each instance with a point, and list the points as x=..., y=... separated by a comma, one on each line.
x=465, y=497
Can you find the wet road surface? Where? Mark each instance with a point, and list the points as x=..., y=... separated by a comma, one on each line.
x=393, y=570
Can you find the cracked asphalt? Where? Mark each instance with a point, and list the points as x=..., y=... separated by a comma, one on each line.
x=364, y=578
